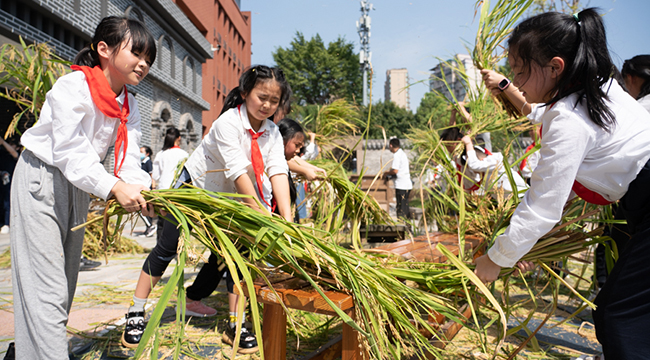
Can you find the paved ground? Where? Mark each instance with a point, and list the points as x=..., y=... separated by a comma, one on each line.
x=120, y=272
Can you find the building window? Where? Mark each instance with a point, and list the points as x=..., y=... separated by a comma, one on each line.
x=165, y=45
x=188, y=67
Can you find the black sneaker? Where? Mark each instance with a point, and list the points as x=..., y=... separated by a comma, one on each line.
x=87, y=264
x=133, y=329
x=11, y=352
x=247, y=340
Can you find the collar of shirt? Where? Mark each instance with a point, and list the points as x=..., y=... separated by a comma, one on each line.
x=243, y=115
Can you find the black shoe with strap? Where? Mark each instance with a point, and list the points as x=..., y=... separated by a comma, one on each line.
x=247, y=340
x=133, y=329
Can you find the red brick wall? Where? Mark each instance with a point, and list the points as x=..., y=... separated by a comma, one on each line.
x=226, y=27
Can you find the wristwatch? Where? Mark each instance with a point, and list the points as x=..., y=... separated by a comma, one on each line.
x=503, y=84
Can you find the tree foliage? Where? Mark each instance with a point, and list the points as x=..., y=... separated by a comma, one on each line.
x=317, y=74
x=434, y=110
x=395, y=120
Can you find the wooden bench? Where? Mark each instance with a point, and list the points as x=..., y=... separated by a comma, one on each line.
x=298, y=294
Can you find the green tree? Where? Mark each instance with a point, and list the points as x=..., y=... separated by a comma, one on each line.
x=395, y=120
x=432, y=109
x=318, y=75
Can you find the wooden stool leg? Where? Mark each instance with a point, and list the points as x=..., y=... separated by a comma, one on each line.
x=351, y=349
x=274, y=332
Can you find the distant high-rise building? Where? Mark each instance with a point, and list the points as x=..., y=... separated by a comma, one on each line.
x=457, y=84
x=396, y=87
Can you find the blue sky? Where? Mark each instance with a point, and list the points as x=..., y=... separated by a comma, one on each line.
x=413, y=34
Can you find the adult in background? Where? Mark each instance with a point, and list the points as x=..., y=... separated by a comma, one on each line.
x=403, y=184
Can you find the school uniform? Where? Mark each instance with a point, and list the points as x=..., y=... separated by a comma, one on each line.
x=165, y=164
x=223, y=155
x=645, y=102
x=228, y=147
x=494, y=173
x=55, y=173
x=611, y=166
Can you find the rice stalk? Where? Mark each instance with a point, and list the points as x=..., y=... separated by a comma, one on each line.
x=494, y=27
x=28, y=72
x=386, y=304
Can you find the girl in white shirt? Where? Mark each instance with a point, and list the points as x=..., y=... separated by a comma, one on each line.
x=166, y=161
x=492, y=170
x=85, y=113
x=595, y=141
x=241, y=131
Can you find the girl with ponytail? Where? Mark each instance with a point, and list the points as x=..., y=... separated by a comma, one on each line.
x=242, y=153
x=595, y=143
x=84, y=113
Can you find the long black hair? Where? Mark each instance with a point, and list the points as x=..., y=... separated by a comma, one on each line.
x=170, y=137
x=289, y=129
x=639, y=66
x=250, y=78
x=580, y=41
x=114, y=31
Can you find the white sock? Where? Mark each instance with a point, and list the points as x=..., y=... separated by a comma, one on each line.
x=233, y=319
x=137, y=305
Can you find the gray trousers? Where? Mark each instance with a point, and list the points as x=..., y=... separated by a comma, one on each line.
x=45, y=256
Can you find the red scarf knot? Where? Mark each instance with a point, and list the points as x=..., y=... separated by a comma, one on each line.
x=258, y=163
x=104, y=98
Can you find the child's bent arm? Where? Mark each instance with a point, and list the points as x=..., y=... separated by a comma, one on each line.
x=492, y=79
x=280, y=185
x=307, y=170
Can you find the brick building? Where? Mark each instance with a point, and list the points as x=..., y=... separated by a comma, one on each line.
x=203, y=46
x=229, y=32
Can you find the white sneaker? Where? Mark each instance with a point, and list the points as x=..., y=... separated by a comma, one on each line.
x=151, y=231
x=4, y=229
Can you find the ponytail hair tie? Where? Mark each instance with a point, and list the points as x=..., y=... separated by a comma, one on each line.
x=577, y=19
x=92, y=46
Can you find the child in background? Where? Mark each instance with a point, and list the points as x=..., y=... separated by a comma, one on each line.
x=85, y=113
x=249, y=145
x=145, y=160
x=166, y=161
x=468, y=178
x=492, y=170
x=147, y=166
x=636, y=74
x=595, y=141
x=164, y=167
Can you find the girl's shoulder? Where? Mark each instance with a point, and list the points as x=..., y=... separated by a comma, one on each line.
x=72, y=83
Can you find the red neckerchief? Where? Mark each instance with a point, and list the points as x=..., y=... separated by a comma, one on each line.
x=585, y=194
x=104, y=98
x=257, y=160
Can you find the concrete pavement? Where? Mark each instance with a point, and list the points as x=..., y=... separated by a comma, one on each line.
x=120, y=276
